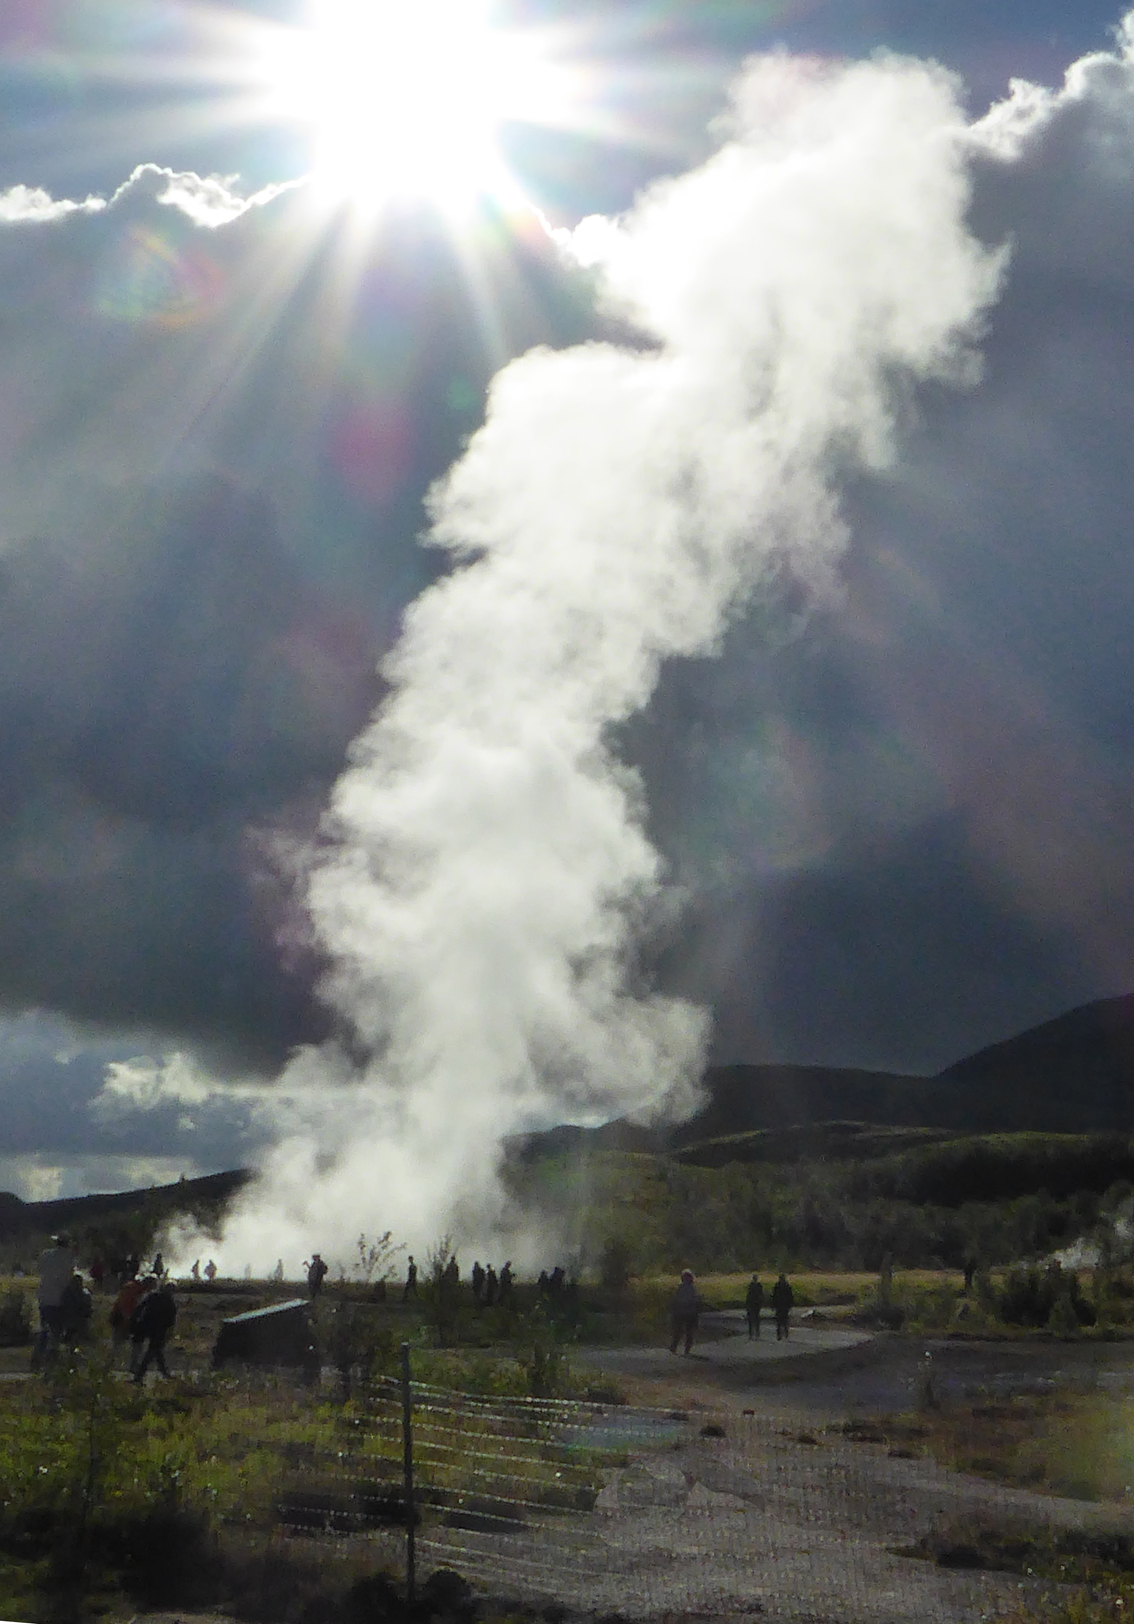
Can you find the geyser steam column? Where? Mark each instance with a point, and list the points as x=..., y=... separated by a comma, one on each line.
x=487, y=873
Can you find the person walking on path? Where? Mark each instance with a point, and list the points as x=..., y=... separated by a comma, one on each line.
x=683, y=1313
x=783, y=1301
x=152, y=1322
x=410, y=1288
x=753, y=1303
x=56, y=1266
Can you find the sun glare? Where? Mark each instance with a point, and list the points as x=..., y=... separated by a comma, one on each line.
x=406, y=97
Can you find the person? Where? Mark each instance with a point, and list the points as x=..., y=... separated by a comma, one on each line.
x=56, y=1266
x=410, y=1288
x=316, y=1274
x=477, y=1282
x=151, y=1324
x=783, y=1300
x=753, y=1303
x=491, y=1286
x=195, y=1271
x=130, y=1267
x=210, y=1271
x=77, y=1306
x=158, y=1270
x=506, y=1283
x=122, y=1309
x=683, y=1312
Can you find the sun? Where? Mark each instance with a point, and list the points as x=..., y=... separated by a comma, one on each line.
x=407, y=97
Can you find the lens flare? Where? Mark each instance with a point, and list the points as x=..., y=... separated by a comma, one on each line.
x=407, y=100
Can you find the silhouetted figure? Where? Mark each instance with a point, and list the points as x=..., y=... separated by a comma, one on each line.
x=491, y=1286
x=543, y=1284
x=130, y=1268
x=56, y=1266
x=683, y=1313
x=452, y=1278
x=122, y=1309
x=158, y=1270
x=210, y=1271
x=410, y=1288
x=152, y=1322
x=316, y=1274
x=970, y=1273
x=783, y=1301
x=506, y=1283
x=753, y=1303
x=195, y=1271
x=557, y=1281
x=77, y=1307
x=477, y=1282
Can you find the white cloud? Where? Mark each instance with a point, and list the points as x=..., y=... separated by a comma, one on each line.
x=31, y=205
x=151, y=1083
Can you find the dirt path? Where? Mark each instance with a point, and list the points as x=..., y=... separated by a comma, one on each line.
x=785, y=1517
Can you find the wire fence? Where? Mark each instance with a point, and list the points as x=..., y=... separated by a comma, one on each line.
x=650, y=1513
x=503, y=1490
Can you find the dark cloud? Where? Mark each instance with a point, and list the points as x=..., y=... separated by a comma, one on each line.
x=185, y=658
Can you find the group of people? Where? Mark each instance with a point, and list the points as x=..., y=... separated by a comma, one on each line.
x=143, y=1311
x=686, y=1307
x=489, y=1288
x=783, y=1301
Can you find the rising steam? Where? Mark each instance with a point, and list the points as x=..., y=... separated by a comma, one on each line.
x=486, y=876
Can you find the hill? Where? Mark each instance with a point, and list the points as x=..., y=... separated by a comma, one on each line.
x=1073, y=1075
x=1070, y=1075
x=19, y=1218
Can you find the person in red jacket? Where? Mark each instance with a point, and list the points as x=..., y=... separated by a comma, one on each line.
x=122, y=1310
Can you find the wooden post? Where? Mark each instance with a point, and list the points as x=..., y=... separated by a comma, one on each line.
x=407, y=1456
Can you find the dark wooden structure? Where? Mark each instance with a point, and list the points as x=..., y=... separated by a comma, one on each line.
x=279, y=1335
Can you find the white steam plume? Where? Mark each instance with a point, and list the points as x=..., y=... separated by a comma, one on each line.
x=488, y=874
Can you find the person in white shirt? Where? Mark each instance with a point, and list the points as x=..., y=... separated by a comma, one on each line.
x=56, y=1266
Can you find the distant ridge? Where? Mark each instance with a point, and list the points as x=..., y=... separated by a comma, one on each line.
x=1073, y=1074
x=1070, y=1075
x=26, y=1217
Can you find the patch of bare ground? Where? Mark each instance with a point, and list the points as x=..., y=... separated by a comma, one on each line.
x=793, y=1502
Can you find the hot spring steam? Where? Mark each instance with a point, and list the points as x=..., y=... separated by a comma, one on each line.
x=487, y=874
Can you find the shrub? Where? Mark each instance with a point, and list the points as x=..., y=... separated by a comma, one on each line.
x=1033, y=1296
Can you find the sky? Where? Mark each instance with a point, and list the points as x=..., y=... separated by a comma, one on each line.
x=890, y=798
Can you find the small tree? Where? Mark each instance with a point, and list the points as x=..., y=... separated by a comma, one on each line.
x=375, y=1258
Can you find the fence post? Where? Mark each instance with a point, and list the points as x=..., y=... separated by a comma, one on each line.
x=407, y=1456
